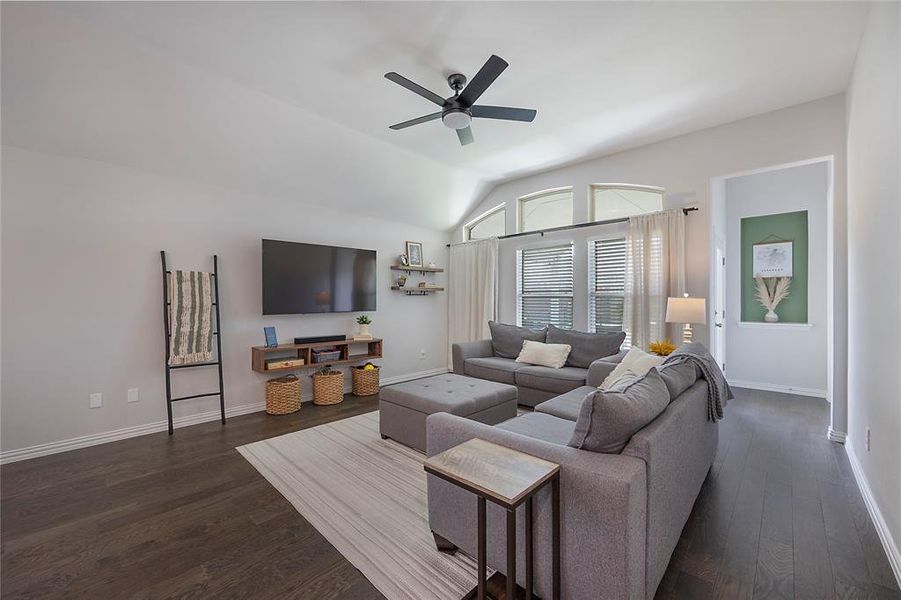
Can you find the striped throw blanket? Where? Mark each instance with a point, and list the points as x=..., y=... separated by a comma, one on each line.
x=190, y=317
x=718, y=390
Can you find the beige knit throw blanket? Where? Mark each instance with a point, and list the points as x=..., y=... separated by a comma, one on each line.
x=190, y=317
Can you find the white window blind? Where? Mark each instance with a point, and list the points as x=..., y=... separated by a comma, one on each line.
x=544, y=282
x=606, y=284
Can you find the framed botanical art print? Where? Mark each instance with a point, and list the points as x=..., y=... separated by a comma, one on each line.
x=772, y=259
x=414, y=254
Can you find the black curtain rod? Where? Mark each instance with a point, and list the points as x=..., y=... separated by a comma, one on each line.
x=541, y=232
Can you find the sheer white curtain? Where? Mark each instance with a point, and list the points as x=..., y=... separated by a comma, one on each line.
x=471, y=291
x=655, y=270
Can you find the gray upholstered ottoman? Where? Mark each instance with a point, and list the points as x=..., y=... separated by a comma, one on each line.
x=404, y=407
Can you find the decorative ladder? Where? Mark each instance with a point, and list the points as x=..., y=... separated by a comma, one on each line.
x=168, y=329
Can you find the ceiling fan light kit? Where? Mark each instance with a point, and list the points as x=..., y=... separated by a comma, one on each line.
x=456, y=118
x=458, y=111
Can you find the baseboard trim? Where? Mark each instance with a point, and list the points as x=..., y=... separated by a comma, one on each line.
x=94, y=439
x=126, y=432
x=773, y=387
x=412, y=376
x=885, y=535
x=836, y=436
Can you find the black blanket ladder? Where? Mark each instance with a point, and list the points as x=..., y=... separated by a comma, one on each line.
x=217, y=334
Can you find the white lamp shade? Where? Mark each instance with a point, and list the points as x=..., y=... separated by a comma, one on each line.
x=686, y=310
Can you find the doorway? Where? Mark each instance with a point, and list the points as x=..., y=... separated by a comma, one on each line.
x=830, y=326
x=719, y=303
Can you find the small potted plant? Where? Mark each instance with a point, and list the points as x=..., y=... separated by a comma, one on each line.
x=363, y=323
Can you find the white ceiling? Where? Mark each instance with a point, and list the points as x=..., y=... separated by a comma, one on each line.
x=240, y=94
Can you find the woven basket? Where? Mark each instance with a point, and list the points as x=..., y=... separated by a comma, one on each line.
x=283, y=395
x=328, y=387
x=365, y=383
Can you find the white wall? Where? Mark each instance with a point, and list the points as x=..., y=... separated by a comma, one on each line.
x=782, y=356
x=874, y=266
x=684, y=166
x=81, y=290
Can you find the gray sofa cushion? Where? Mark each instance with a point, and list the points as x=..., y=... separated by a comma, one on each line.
x=678, y=449
x=566, y=406
x=493, y=368
x=542, y=427
x=551, y=380
x=586, y=347
x=507, y=339
x=678, y=377
x=608, y=420
x=462, y=351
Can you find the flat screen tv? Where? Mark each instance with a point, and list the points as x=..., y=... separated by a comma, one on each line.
x=309, y=278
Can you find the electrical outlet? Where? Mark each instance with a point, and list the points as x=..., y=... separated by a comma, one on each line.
x=422, y=354
x=96, y=400
x=133, y=395
x=868, y=439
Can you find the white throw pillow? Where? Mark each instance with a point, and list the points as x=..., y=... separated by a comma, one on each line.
x=547, y=355
x=635, y=363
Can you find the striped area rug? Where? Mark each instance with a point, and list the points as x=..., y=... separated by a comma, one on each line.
x=367, y=497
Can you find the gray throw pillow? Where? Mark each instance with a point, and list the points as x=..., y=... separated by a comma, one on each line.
x=678, y=376
x=506, y=340
x=608, y=420
x=586, y=347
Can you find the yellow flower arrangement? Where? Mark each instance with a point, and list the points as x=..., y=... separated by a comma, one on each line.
x=662, y=347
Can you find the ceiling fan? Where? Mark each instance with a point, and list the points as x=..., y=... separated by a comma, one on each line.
x=458, y=111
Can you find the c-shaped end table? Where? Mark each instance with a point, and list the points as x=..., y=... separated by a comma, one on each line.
x=507, y=478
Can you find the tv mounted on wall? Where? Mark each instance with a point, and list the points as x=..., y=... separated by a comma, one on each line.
x=310, y=278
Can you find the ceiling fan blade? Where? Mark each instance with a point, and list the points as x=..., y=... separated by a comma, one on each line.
x=504, y=112
x=417, y=121
x=465, y=136
x=415, y=88
x=493, y=67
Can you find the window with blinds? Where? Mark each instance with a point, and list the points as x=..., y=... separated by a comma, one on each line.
x=544, y=285
x=606, y=284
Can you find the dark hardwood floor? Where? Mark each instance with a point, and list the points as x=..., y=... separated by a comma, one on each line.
x=780, y=515
x=187, y=517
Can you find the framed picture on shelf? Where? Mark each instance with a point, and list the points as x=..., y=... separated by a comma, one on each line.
x=271, y=338
x=414, y=254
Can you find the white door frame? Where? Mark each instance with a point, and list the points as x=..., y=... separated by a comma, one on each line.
x=836, y=284
x=718, y=299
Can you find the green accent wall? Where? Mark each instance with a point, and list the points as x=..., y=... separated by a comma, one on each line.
x=788, y=227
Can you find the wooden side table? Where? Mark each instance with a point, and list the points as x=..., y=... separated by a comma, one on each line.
x=507, y=478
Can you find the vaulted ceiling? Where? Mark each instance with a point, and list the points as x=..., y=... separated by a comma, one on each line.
x=263, y=96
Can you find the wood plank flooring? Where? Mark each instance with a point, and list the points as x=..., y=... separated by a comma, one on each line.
x=780, y=515
x=187, y=517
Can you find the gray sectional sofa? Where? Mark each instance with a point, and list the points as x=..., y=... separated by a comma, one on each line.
x=593, y=357
x=622, y=513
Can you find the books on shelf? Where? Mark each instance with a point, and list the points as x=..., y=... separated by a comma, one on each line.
x=283, y=362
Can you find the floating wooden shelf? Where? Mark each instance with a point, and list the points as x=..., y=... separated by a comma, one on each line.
x=305, y=351
x=417, y=291
x=410, y=269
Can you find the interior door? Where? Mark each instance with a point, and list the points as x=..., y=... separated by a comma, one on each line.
x=719, y=305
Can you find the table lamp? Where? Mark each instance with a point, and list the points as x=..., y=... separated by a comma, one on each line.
x=687, y=311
